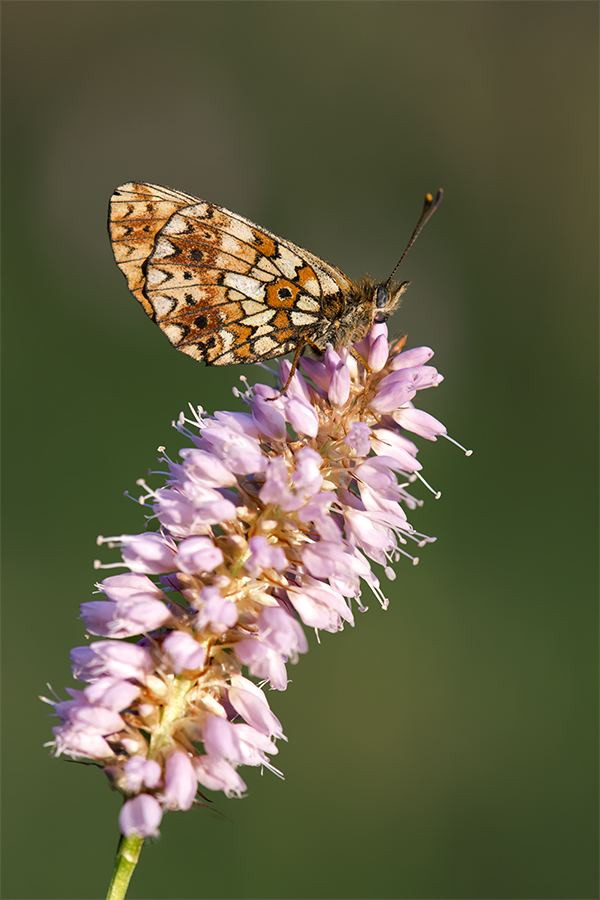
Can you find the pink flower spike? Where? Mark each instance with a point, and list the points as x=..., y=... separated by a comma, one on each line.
x=140, y=816
x=270, y=521
x=181, y=783
x=250, y=702
x=185, y=653
x=140, y=772
x=419, y=422
x=148, y=553
x=198, y=554
x=378, y=353
x=418, y=356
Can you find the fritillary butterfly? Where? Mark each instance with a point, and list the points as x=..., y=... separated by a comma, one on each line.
x=225, y=290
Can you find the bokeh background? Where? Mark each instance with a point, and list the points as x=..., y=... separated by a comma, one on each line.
x=447, y=747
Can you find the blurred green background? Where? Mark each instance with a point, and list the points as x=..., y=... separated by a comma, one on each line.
x=447, y=747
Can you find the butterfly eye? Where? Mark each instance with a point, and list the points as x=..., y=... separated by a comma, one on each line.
x=382, y=296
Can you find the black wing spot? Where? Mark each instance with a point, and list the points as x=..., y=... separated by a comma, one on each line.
x=284, y=293
x=187, y=276
x=200, y=322
x=196, y=255
x=150, y=207
x=189, y=299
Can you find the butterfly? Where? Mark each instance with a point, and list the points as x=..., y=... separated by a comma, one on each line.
x=225, y=291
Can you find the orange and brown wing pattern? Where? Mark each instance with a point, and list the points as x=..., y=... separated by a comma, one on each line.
x=221, y=288
x=136, y=213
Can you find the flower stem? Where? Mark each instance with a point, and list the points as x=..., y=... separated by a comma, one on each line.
x=128, y=853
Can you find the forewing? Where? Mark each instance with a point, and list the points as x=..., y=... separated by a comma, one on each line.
x=223, y=289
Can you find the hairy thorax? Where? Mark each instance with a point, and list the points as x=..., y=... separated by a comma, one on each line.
x=351, y=315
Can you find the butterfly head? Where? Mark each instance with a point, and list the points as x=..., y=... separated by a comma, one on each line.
x=386, y=299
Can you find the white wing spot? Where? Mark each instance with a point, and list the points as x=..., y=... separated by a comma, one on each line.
x=163, y=304
x=227, y=339
x=288, y=262
x=197, y=211
x=156, y=276
x=173, y=332
x=259, y=318
x=251, y=306
x=300, y=318
x=328, y=285
x=263, y=329
x=248, y=286
x=229, y=244
x=263, y=345
x=175, y=225
x=267, y=266
x=261, y=275
x=307, y=304
x=312, y=286
x=240, y=230
x=164, y=248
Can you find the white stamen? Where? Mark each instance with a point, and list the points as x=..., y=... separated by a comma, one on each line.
x=460, y=446
x=436, y=494
x=116, y=565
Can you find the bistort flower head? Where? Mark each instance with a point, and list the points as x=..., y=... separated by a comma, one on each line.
x=269, y=521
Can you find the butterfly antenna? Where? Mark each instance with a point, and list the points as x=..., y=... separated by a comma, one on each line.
x=429, y=207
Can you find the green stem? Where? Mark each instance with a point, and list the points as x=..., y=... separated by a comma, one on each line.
x=128, y=853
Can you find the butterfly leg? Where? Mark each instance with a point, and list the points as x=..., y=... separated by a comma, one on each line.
x=398, y=345
x=301, y=345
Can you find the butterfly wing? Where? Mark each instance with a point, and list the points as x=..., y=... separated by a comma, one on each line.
x=221, y=288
